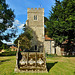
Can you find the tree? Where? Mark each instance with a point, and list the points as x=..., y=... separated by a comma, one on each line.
x=25, y=39
x=45, y=20
x=28, y=32
x=6, y=21
x=45, y=23
x=3, y=46
x=61, y=24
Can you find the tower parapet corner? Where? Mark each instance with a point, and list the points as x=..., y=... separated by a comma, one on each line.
x=28, y=9
x=42, y=8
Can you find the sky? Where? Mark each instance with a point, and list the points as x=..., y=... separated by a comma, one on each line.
x=20, y=11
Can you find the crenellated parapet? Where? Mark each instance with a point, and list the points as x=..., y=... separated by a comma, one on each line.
x=35, y=10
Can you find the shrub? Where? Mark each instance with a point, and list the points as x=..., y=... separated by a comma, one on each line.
x=69, y=56
x=10, y=53
x=51, y=55
x=7, y=50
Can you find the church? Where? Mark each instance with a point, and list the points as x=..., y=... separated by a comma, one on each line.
x=35, y=21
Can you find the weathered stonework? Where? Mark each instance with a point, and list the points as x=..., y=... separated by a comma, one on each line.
x=38, y=28
x=58, y=50
x=49, y=47
x=36, y=25
x=33, y=61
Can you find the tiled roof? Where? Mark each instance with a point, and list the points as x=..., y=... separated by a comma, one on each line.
x=66, y=41
x=48, y=38
x=13, y=47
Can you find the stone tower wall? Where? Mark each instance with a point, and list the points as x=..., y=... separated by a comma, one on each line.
x=36, y=25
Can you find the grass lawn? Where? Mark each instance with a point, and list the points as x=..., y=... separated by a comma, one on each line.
x=55, y=66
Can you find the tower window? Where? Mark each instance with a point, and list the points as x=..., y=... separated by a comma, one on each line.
x=35, y=17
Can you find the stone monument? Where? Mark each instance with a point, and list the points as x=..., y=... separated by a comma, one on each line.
x=33, y=61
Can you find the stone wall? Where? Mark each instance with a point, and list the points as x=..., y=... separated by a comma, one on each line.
x=52, y=47
x=36, y=25
x=58, y=50
x=49, y=47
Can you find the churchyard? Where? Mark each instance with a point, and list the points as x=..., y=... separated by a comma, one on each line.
x=55, y=66
x=53, y=35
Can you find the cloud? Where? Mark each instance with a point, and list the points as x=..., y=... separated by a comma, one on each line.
x=21, y=26
x=18, y=24
x=1, y=20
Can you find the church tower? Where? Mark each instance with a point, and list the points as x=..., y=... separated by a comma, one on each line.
x=35, y=21
x=34, y=62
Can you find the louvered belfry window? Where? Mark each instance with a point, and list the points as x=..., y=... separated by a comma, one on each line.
x=35, y=17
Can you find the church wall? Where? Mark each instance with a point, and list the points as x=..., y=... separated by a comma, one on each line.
x=52, y=47
x=58, y=50
x=37, y=26
x=49, y=47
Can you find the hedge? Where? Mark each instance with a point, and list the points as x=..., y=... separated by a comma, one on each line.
x=10, y=53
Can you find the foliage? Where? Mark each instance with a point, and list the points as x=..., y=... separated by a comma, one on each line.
x=28, y=32
x=25, y=39
x=9, y=53
x=7, y=50
x=51, y=55
x=69, y=56
x=6, y=21
x=61, y=21
x=3, y=46
x=45, y=20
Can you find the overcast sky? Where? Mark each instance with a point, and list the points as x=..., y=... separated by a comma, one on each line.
x=20, y=10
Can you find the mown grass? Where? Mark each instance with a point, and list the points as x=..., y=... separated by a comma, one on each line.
x=55, y=66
